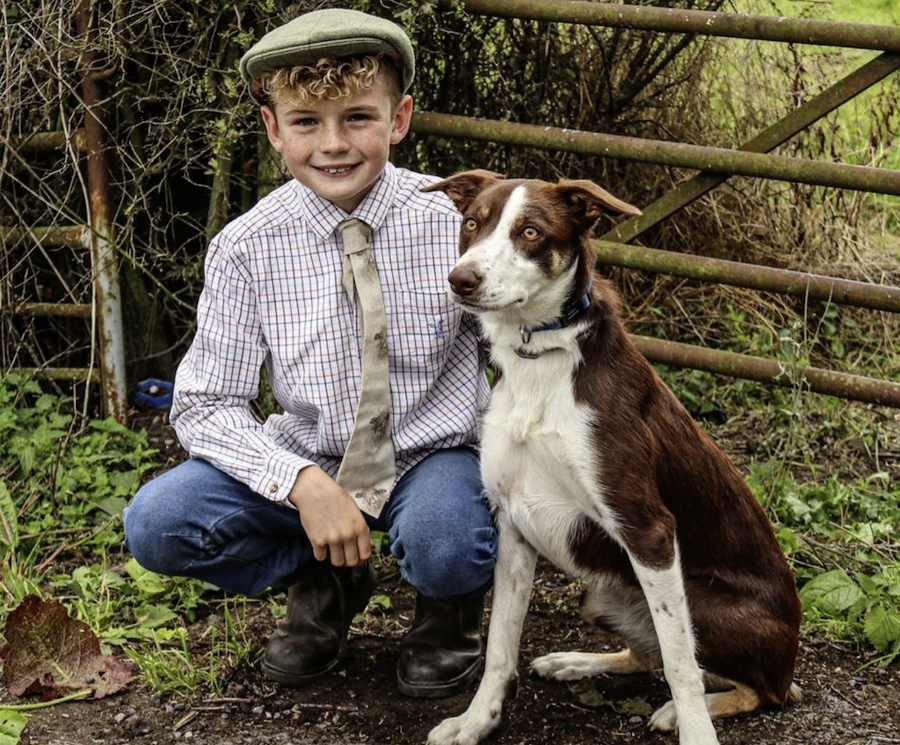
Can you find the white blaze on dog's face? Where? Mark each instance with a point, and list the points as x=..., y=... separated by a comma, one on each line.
x=510, y=260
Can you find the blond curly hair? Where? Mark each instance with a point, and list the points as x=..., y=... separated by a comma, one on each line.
x=329, y=79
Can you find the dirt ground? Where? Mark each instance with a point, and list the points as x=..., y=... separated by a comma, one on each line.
x=845, y=702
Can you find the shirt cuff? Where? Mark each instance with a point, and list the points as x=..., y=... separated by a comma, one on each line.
x=278, y=479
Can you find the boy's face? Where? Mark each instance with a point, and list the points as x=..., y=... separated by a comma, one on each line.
x=339, y=148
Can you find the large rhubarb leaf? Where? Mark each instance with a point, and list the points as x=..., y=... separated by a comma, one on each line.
x=46, y=651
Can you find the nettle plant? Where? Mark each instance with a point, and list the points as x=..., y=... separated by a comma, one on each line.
x=63, y=484
x=839, y=536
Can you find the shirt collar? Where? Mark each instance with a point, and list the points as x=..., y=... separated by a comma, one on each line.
x=324, y=216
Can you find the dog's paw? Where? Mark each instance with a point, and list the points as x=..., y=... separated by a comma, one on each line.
x=469, y=728
x=565, y=666
x=697, y=730
x=664, y=718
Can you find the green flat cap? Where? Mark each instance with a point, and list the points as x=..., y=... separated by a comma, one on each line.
x=333, y=32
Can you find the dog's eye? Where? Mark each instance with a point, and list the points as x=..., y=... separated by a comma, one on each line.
x=470, y=223
x=530, y=233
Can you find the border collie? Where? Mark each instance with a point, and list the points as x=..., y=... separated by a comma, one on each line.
x=590, y=460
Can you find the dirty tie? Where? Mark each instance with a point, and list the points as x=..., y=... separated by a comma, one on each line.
x=368, y=469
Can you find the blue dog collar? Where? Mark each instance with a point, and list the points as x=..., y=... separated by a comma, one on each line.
x=572, y=311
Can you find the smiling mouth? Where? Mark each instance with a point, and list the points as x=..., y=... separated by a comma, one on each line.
x=335, y=170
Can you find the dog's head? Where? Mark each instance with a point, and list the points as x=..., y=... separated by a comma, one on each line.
x=524, y=244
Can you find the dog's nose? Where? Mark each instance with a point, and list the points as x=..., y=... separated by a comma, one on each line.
x=464, y=281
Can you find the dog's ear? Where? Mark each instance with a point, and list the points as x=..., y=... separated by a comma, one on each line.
x=464, y=187
x=588, y=201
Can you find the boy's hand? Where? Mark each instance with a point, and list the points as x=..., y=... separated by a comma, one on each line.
x=333, y=523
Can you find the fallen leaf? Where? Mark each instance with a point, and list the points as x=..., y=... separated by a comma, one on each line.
x=46, y=651
x=633, y=707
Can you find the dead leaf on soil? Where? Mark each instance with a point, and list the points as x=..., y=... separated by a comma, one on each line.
x=46, y=651
x=587, y=695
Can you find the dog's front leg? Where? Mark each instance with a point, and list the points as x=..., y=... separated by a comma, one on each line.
x=513, y=578
x=666, y=596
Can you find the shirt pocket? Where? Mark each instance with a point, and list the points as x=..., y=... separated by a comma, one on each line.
x=427, y=322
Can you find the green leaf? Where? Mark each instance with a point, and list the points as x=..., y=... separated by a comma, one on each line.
x=9, y=523
x=882, y=627
x=12, y=724
x=147, y=582
x=152, y=615
x=26, y=459
x=832, y=593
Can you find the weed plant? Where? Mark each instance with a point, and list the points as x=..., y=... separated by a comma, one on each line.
x=63, y=484
x=826, y=472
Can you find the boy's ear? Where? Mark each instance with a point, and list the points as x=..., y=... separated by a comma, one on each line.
x=402, y=119
x=272, y=130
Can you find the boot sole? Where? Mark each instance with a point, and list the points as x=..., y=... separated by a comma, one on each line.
x=298, y=680
x=441, y=690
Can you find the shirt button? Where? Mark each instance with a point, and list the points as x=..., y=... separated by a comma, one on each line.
x=273, y=488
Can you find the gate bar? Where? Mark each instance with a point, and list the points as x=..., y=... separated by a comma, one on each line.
x=735, y=162
x=817, y=380
x=41, y=142
x=770, y=138
x=701, y=22
x=751, y=276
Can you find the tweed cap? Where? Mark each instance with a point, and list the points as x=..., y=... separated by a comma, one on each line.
x=332, y=32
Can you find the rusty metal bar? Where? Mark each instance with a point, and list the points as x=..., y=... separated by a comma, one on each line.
x=80, y=374
x=779, y=167
x=107, y=297
x=41, y=142
x=700, y=22
x=64, y=310
x=855, y=387
x=752, y=276
x=770, y=138
x=73, y=236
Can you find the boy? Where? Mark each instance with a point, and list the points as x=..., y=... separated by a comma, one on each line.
x=259, y=503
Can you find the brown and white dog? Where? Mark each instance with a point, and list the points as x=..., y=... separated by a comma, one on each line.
x=589, y=459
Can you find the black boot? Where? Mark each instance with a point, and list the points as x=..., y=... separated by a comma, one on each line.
x=443, y=651
x=311, y=640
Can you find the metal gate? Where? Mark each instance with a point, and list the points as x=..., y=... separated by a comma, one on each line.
x=716, y=165
x=95, y=235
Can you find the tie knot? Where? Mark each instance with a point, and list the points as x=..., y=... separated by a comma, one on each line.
x=355, y=234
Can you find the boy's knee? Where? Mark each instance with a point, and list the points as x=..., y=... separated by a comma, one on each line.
x=449, y=566
x=149, y=536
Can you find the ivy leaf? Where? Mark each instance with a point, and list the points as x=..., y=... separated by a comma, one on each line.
x=47, y=651
x=832, y=593
x=882, y=627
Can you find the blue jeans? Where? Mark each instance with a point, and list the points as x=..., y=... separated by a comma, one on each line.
x=196, y=521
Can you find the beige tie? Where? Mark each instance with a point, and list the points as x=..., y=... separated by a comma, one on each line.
x=368, y=469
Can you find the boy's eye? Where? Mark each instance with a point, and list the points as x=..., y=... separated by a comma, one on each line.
x=305, y=121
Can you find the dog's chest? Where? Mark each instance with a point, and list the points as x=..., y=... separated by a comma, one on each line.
x=540, y=458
